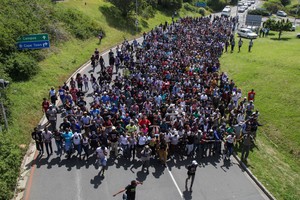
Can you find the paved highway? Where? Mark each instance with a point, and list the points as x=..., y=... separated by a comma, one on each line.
x=61, y=179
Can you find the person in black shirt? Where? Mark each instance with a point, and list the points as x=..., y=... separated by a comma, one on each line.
x=38, y=138
x=191, y=173
x=130, y=190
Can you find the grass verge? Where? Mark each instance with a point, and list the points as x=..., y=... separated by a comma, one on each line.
x=272, y=69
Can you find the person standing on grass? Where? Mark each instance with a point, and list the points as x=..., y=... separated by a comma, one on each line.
x=240, y=44
x=191, y=173
x=250, y=45
x=130, y=190
x=251, y=95
x=232, y=43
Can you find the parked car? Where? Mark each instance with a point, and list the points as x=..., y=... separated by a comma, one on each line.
x=281, y=13
x=246, y=33
x=240, y=3
x=241, y=9
x=293, y=27
x=226, y=11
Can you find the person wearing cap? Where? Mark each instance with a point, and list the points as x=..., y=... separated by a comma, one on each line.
x=191, y=173
x=130, y=190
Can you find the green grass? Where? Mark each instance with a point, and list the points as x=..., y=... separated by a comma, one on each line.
x=272, y=69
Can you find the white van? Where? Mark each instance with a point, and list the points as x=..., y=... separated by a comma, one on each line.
x=226, y=11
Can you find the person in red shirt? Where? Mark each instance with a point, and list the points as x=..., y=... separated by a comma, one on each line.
x=251, y=95
x=144, y=121
x=45, y=105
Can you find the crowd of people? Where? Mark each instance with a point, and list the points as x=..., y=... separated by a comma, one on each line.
x=163, y=98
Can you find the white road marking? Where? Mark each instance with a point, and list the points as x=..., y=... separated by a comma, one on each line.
x=175, y=183
x=78, y=185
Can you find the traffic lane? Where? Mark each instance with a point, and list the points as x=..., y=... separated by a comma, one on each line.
x=218, y=180
x=75, y=179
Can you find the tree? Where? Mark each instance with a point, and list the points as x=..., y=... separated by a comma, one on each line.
x=280, y=26
x=285, y=2
x=125, y=6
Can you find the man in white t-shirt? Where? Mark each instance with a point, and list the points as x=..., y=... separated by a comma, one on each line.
x=77, y=143
x=102, y=153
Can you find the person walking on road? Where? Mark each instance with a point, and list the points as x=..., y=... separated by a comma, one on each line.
x=191, y=173
x=130, y=190
x=145, y=157
x=102, y=153
x=47, y=137
x=38, y=138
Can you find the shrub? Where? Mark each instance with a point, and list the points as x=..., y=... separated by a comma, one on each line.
x=21, y=67
x=259, y=11
x=202, y=11
x=216, y=5
x=190, y=7
x=148, y=12
x=273, y=6
x=10, y=158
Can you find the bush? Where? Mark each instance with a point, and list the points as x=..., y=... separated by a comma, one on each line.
x=21, y=67
x=190, y=7
x=148, y=12
x=10, y=158
x=259, y=11
x=216, y=5
x=273, y=6
x=202, y=11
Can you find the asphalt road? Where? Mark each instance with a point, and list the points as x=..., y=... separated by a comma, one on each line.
x=61, y=179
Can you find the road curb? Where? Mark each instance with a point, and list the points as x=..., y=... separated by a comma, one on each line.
x=257, y=182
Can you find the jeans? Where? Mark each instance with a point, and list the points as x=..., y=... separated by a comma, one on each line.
x=59, y=146
x=48, y=146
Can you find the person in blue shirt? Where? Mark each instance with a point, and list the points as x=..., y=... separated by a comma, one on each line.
x=94, y=112
x=68, y=135
x=105, y=98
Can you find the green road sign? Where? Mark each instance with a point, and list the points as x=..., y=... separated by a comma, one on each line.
x=33, y=37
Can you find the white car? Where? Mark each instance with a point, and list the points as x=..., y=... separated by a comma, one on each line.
x=246, y=33
x=281, y=13
x=240, y=3
x=241, y=9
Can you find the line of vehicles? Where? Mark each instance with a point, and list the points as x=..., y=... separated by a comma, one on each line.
x=244, y=5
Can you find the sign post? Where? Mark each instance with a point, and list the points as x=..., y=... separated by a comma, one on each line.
x=34, y=41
